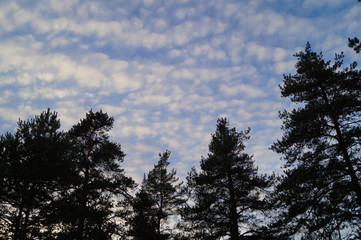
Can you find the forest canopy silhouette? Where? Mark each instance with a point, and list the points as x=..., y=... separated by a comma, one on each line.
x=71, y=185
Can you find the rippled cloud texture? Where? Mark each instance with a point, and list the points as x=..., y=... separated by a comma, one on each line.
x=164, y=69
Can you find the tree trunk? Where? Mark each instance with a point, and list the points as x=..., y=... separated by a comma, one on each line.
x=160, y=210
x=233, y=221
x=83, y=200
x=351, y=172
x=18, y=221
x=23, y=230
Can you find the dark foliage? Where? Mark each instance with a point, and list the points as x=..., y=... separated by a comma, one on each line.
x=90, y=209
x=355, y=44
x=34, y=166
x=320, y=191
x=160, y=197
x=143, y=222
x=227, y=194
x=57, y=185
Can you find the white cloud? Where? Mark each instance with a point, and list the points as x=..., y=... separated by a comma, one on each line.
x=89, y=77
x=45, y=76
x=153, y=100
x=26, y=93
x=92, y=20
x=7, y=96
x=260, y=52
x=49, y=93
x=165, y=72
x=148, y=2
x=62, y=41
x=175, y=53
x=285, y=67
x=322, y=3
x=24, y=79
x=208, y=51
x=22, y=112
x=183, y=13
x=138, y=131
x=146, y=148
x=111, y=109
x=7, y=22
x=183, y=74
x=263, y=53
x=120, y=82
x=242, y=90
x=243, y=114
x=276, y=23
x=159, y=25
x=70, y=112
x=62, y=6
x=89, y=9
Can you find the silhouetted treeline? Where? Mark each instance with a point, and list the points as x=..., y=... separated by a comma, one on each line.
x=70, y=184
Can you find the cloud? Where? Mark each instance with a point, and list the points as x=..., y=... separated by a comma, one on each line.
x=62, y=6
x=120, y=82
x=138, y=131
x=285, y=67
x=263, y=53
x=21, y=112
x=49, y=93
x=153, y=100
x=146, y=148
x=243, y=114
x=7, y=95
x=183, y=13
x=209, y=52
x=166, y=70
x=242, y=90
x=111, y=110
x=90, y=21
x=322, y=4
x=70, y=112
x=89, y=77
x=159, y=25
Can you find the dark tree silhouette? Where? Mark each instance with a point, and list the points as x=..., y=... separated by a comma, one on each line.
x=160, y=197
x=34, y=165
x=227, y=193
x=143, y=221
x=355, y=44
x=321, y=146
x=87, y=209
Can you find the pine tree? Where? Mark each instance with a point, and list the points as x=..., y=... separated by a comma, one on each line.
x=143, y=222
x=321, y=146
x=227, y=192
x=160, y=197
x=355, y=44
x=87, y=209
x=34, y=161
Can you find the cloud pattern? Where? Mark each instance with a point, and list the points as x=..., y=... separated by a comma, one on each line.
x=165, y=69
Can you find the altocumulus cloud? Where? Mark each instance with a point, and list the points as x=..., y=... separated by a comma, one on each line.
x=165, y=69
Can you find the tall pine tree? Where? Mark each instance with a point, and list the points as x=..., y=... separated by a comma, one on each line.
x=143, y=222
x=227, y=193
x=160, y=197
x=321, y=146
x=35, y=164
x=87, y=210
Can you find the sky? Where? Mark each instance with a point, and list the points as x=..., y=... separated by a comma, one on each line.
x=166, y=70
